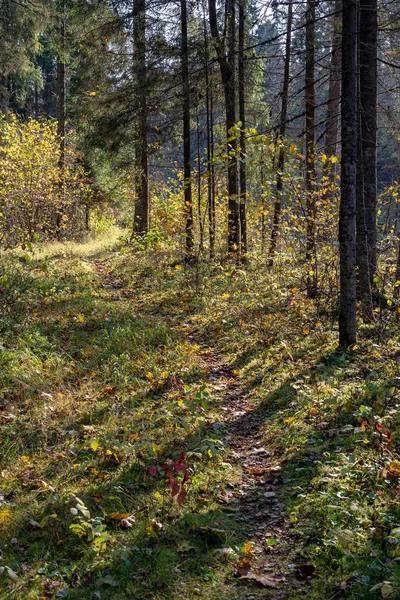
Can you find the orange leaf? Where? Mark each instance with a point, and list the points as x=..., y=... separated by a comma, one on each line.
x=248, y=549
x=109, y=390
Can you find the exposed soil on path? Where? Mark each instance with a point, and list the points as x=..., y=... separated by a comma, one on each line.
x=255, y=498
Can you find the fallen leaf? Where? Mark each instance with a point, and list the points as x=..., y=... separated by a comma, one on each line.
x=243, y=566
x=43, y=485
x=264, y=580
x=269, y=495
x=248, y=549
x=116, y=516
x=109, y=390
x=127, y=523
x=255, y=471
x=394, y=468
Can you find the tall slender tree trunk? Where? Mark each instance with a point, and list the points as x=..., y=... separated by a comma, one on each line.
x=347, y=217
x=187, y=167
x=61, y=114
x=366, y=167
x=226, y=60
x=282, y=131
x=212, y=175
x=242, y=119
x=201, y=222
x=333, y=112
x=263, y=204
x=210, y=149
x=309, y=98
x=141, y=219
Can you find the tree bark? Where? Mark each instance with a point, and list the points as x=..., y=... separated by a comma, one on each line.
x=309, y=97
x=242, y=119
x=210, y=149
x=141, y=219
x=226, y=60
x=187, y=160
x=282, y=131
x=61, y=113
x=201, y=222
x=366, y=167
x=333, y=112
x=347, y=217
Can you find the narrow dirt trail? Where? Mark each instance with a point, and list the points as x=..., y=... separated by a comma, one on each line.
x=255, y=498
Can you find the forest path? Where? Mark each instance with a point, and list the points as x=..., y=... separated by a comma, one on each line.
x=254, y=499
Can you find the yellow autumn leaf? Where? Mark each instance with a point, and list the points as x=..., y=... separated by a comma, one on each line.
x=118, y=516
x=394, y=468
x=43, y=485
x=5, y=516
x=290, y=419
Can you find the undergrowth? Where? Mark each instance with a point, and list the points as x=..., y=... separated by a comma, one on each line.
x=114, y=459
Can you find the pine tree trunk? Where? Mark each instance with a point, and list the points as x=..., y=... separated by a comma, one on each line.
x=366, y=167
x=61, y=110
x=141, y=219
x=187, y=167
x=309, y=98
x=226, y=60
x=210, y=147
x=347, y=218
x=242, y=119
x=282, y=131
x=201, y=223
x=333, y=112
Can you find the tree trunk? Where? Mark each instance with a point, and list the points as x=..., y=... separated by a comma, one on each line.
x=347, y=218
x=201, y=223
x=366, y=167
x=309, y=97
x=333, y=112
x=242, y=119
x=226, y=62
x=210, y=149
x=141, y=219
x=282, y=131
x=187, y=173
x=61, y=110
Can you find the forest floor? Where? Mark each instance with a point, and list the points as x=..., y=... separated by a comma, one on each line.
x=191, y=432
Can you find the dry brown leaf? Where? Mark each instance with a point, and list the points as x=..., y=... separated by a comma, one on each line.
x=264, y=580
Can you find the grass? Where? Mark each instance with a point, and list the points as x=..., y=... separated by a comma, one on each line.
x=106, y=379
